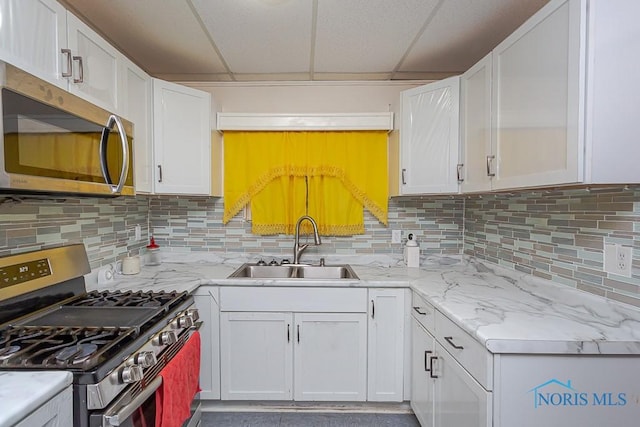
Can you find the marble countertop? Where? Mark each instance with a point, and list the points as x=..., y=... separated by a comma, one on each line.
x=505, y=310
x=21, y=393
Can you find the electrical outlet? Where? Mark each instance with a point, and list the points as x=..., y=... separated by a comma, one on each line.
x=138, y=233
x=396, y=236
x=617, y=259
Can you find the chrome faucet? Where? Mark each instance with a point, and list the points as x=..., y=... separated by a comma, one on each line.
x=297, y=249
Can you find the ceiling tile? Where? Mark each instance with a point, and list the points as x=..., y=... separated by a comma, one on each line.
x=366, y=36
x=260, y=36
x=464, y=31
x=140, y=28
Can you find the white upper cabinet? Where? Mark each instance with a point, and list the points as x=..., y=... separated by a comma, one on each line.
x=94, y=64
x=182, y=139
x=429, y=138
x=135, y=94
x=32, y=36
x=537, y=97
x=475, y=127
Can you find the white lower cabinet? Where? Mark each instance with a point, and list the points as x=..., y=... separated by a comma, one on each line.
x=306, y=344
x=57, y=412
x=206, y=301
x=330, y=356
x=256, y=355
x=386, y=345
x=443, y=391
x=301, y=356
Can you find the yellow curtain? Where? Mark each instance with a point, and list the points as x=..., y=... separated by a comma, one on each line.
x=342, y=172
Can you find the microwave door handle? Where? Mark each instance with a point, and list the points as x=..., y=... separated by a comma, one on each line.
x=114, y=120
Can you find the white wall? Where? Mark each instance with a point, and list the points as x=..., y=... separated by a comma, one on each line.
x=306, y=97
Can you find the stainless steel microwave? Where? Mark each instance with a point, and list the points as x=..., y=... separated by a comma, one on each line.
x=55, y=142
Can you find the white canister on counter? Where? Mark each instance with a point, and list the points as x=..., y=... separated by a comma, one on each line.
x=411, y=252
x=131, y=265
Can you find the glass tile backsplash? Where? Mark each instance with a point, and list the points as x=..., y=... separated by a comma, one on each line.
x=558, y=235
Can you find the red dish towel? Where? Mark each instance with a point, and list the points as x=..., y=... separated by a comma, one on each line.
x=179, y=385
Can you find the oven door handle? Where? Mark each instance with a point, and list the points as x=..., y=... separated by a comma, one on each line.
x=126, y=411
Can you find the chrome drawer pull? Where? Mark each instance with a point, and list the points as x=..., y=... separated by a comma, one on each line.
x=450, y=341
x=431, y=360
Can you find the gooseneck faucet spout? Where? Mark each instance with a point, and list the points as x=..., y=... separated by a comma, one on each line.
x=297, y=249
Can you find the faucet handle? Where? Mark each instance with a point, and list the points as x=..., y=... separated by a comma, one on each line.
x=285, y=261
x=273, y=262
x=261, y=262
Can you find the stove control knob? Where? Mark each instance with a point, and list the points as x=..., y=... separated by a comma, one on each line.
x=193, y=314
x=131, y=374
x=145, y=359
x=182, y=322
x=165, y=338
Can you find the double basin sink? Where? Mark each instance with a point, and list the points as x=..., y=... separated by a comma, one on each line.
x=298, y=271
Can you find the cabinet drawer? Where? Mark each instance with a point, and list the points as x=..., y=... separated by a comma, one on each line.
x=472, y=355
x=326, y=300
x=423, y=312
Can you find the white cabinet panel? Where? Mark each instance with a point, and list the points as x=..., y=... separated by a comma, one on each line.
x=206, y=301
x=182, y=139
x=32, y=36
x=385, y=353
x=429, y=138
x=422, y=386
x=330, y=361
x=95, y=65
x=459, y=399
x=57, y=412
x=475, y=127
x=136, y=107
x=256, y=356
x=537, y=99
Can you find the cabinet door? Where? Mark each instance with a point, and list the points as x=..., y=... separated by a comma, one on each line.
x=182, y=139
x=330, y=356
x=206, y=301
x=57, y=412
x=256, y=356
x=429, y=138
x=136, y=107
x=95, y=69
x=422, y=385
x=32, y=36
x=475, y=127
x=538, y=99
x=459, y=399
x=385, y=345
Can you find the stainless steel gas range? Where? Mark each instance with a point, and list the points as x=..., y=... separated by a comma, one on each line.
x=115, y=343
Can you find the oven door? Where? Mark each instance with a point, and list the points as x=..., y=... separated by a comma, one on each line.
x=128, y=411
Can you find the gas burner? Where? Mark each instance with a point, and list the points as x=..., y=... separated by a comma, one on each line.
x=76, y=354
x=7, y=352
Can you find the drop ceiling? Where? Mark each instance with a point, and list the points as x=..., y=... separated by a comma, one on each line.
x=258, y=40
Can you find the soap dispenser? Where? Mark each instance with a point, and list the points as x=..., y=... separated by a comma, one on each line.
x=411, y=252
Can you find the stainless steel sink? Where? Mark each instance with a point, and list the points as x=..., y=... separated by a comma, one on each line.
x=254, y=271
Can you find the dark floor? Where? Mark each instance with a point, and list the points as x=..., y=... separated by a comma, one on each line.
x=305, y=419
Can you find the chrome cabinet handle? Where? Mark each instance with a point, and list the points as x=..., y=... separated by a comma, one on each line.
x=80, y=78
x=426, y=359
x=417, y=309
x=459, y=172
x=373, y=310
x=489, y=165
x=431, y=370
x=298, y=333
x=450, y=341
x=114, y=120
x=288, y=332
x=69, y=71
x=159, y=173
x=404, y=181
